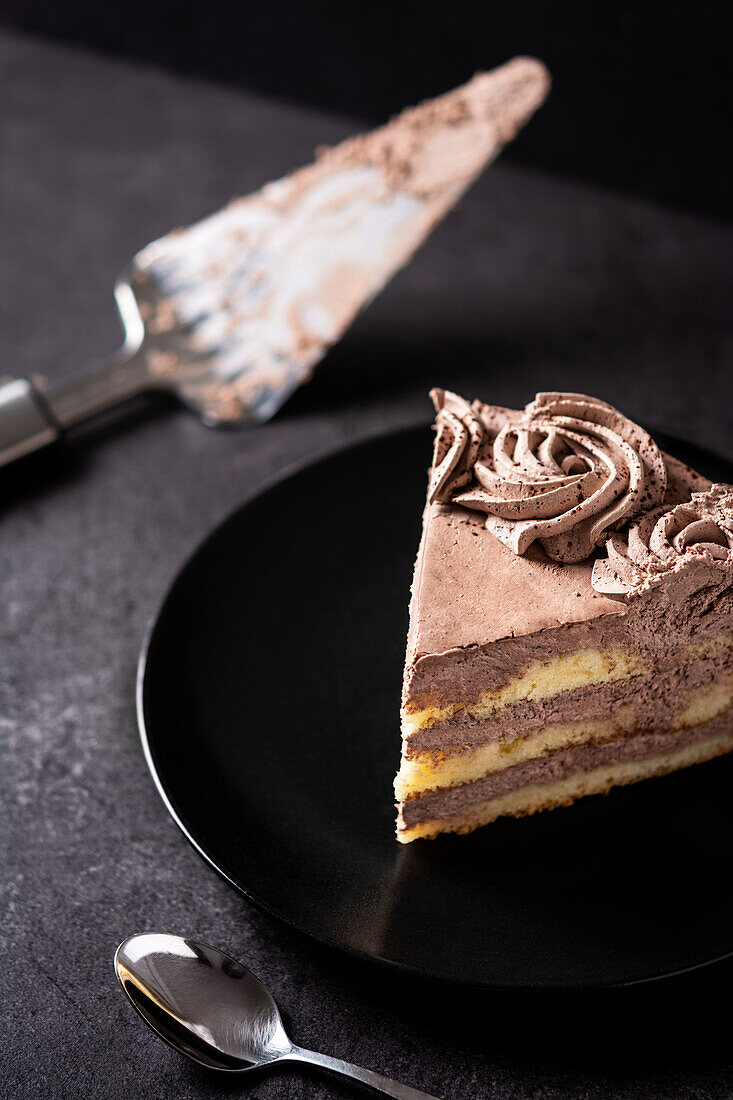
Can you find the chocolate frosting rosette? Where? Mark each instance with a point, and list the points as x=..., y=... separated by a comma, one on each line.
x=563, y=472
x=667, y=540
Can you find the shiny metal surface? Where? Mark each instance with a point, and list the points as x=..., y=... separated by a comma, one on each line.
x=212, y=1009
x=232, y=314
x=25, y=421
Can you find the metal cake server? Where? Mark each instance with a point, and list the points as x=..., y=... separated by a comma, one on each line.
x=211, y=1008
x=233, y=313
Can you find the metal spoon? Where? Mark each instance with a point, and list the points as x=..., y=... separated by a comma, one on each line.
x=211, y=1008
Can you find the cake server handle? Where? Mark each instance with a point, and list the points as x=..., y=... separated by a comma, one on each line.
x=366, y=1076
x=31, y=418
x=26, y=421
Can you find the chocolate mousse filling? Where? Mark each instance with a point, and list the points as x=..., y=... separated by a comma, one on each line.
x=657, y=702
x=555, y=766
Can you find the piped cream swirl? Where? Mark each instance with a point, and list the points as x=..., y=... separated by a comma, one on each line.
x=562, y=472
x=666, y=540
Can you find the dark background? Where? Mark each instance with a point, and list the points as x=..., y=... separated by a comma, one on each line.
x=535, y=282
x=641, y=99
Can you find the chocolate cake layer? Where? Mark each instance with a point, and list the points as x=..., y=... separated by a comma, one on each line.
x=556, y=766
x=657, y=631
x=426, y=772
x=563, y=792
x=657, y=700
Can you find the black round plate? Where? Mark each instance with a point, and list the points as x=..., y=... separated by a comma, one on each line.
x=268, y=701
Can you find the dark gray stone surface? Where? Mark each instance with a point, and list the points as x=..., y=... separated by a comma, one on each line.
x=533, y=283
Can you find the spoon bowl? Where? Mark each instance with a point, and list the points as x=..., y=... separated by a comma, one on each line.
x=201, y=1001
x=209, y=1007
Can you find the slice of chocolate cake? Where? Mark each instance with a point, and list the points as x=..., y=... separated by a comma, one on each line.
x=571, y=625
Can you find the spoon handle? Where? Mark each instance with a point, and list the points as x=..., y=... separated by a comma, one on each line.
x=366, y=1076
